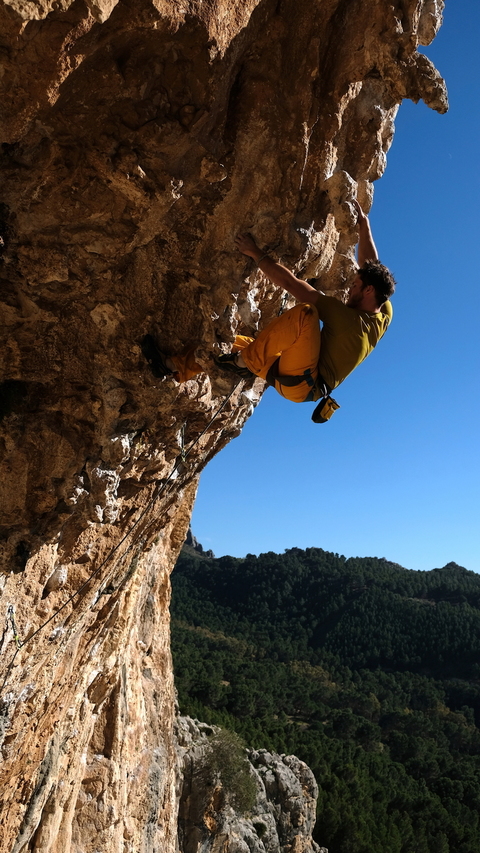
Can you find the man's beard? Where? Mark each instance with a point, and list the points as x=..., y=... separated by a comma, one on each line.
x=354, y=300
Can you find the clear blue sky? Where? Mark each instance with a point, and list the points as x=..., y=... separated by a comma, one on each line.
x=396, y=473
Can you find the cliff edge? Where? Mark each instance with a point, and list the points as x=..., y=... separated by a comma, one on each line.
x=138, y=137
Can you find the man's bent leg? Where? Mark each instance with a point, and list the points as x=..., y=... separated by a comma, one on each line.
x=295, y=338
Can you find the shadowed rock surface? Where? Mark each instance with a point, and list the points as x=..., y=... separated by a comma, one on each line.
x=138, y=137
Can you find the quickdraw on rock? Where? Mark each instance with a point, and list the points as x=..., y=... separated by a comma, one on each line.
x=11, y=618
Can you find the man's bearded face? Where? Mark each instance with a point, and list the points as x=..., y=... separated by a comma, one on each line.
x=356, y=294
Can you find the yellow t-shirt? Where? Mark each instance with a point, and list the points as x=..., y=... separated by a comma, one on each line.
x=348, y=336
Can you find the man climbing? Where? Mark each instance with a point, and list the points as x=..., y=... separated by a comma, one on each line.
x=291, y=353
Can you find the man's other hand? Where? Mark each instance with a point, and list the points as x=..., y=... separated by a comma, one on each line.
x=362, y=217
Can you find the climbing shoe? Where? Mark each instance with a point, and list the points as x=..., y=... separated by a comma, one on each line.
x=155, y=358
x=229, y=363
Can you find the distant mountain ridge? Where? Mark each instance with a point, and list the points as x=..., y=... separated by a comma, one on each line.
x=368, y=671
x=193, y=547
x=340, y=597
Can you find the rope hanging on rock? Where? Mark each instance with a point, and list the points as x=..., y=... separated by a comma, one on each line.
x=158, y=491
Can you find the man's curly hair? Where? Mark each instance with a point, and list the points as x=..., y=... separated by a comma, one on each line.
x=381, y=279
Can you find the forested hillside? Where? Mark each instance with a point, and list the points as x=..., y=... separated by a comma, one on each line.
x=367, y=671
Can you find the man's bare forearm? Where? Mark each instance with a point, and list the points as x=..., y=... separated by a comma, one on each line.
x=367, y=250
x=277, y=273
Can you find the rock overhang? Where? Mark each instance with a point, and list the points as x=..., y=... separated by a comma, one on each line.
x=138, y=138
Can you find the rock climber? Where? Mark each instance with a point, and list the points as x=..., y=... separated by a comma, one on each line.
x=301, y=361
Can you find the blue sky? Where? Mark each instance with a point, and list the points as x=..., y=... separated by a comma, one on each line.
x=396, y=473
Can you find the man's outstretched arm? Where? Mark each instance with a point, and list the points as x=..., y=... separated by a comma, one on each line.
x=277, y=273
x=367, y=250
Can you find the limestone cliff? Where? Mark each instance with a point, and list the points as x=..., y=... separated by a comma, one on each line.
x=137, y=137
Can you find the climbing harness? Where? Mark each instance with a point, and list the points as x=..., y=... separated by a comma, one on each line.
x=318, y=388
x=290, y=381
x=158, y=491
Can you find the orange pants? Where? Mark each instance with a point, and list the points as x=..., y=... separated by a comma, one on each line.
x=294, y=337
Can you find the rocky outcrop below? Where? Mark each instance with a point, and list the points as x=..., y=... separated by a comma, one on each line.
x=279, y=819
x=138, y=137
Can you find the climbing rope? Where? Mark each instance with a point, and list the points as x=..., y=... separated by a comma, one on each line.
x=158, y=491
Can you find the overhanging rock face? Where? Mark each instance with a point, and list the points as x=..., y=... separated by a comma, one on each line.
x=138, y=137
